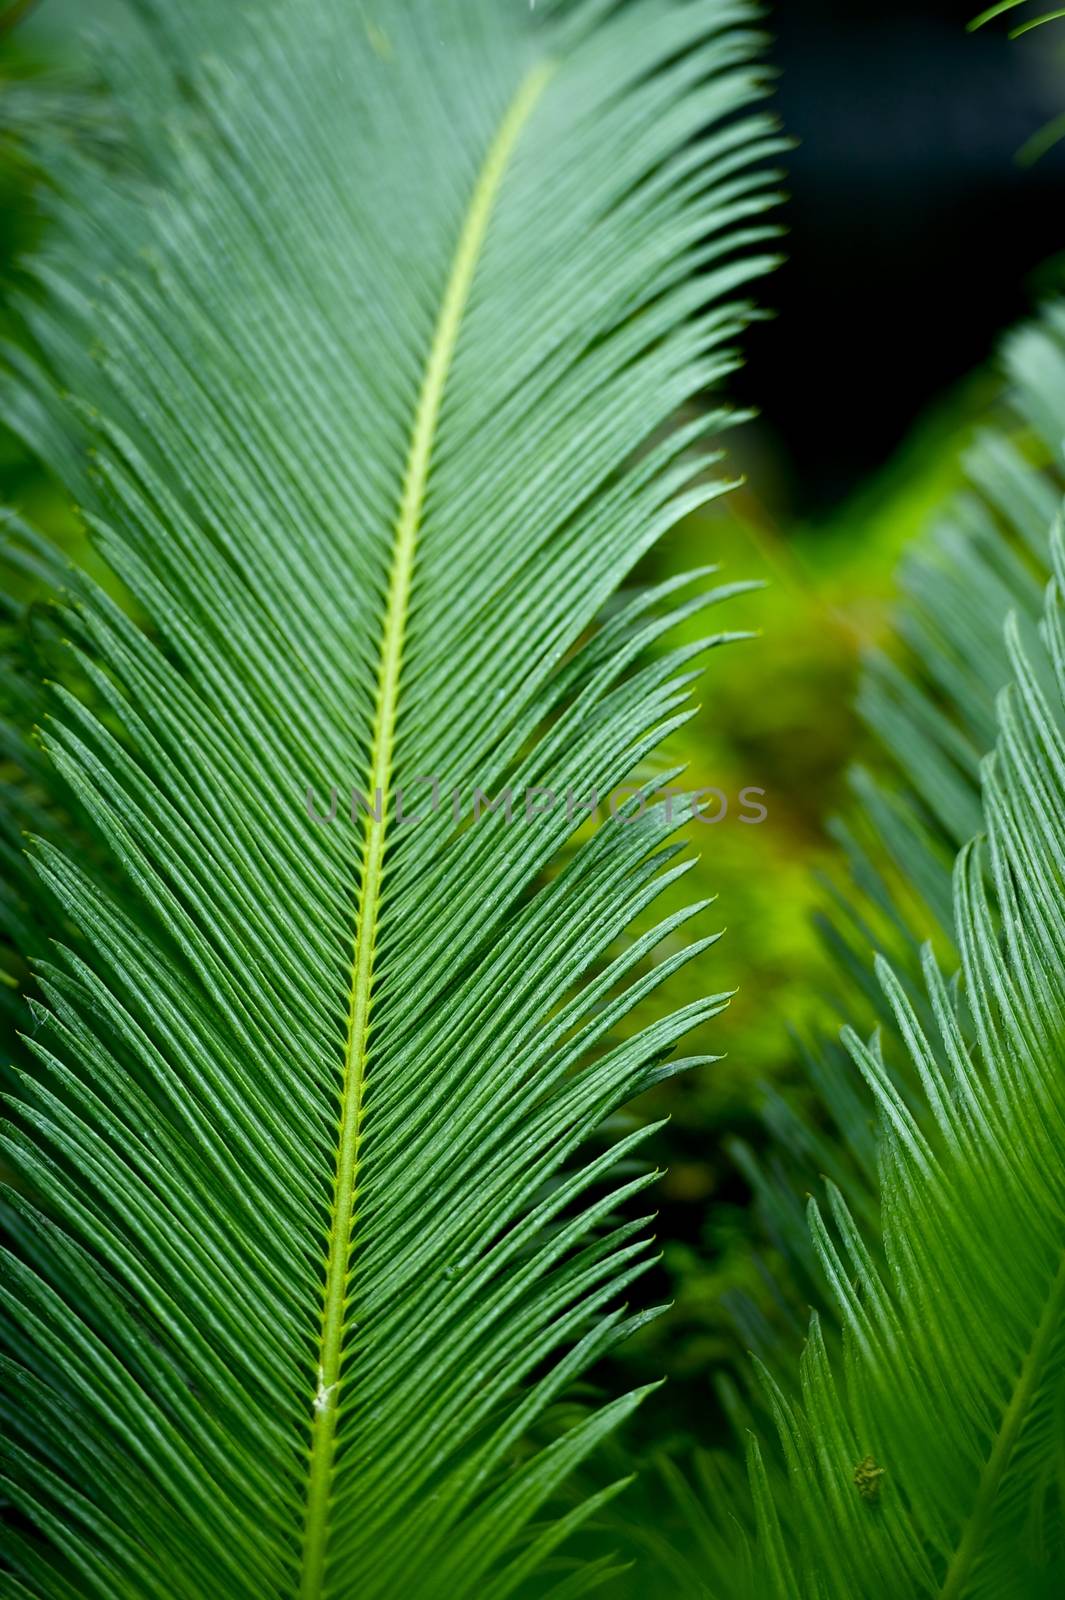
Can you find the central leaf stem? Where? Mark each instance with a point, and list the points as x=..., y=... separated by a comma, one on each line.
x=327, y=1395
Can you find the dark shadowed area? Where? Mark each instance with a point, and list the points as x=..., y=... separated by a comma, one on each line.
x=918, y=222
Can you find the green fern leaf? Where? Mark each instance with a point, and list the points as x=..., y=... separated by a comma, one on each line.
x=924, y=1458
x=375, y=333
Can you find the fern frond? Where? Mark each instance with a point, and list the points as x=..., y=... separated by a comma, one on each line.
x=374, y=340
x=930, y=706
x=922, y=1459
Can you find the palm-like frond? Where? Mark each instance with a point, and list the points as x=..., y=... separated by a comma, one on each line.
x=931, y=709
x=954, y=1355
x=926, y=1458
x=988, y=555
x=369, y=344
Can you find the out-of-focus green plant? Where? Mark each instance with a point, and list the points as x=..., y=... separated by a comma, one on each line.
x=920, y=1456
x=782, y=718
x=1002, y=7
x=1045, y=138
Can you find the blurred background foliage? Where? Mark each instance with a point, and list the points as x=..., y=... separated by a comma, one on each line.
x=776, y=712
x=922, y=223
x=920, y=227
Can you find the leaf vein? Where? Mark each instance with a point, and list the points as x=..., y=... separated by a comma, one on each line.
x=325, y=1401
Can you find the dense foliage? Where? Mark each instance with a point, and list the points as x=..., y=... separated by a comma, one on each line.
x=380, y=351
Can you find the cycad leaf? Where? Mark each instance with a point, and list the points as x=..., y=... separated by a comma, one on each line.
x=959, y=1462
x=369, y=333
x=931, y=707
x=930, y=1464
